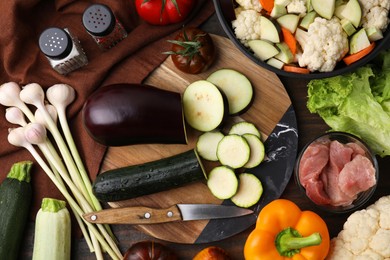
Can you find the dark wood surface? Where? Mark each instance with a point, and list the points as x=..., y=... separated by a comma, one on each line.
x=309, y=126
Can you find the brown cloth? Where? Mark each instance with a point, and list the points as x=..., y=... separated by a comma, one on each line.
x=128, y=62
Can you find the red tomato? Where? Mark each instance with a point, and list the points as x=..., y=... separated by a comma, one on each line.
x=162, y=12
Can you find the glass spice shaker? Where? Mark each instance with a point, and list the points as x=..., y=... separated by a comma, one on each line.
x=62, y=49
x=101, y=23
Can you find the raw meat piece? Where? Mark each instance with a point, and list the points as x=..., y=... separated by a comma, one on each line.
x=339, y=155
x=312, y=162
x=358, y=175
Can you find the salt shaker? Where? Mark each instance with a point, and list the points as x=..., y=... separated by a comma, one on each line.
x=62, y=49
x=101, y=23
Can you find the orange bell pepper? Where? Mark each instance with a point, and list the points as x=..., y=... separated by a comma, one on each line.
x=283, y=232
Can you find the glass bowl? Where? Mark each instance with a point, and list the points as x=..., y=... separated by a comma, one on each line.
x=326, y=179
x=225, y=13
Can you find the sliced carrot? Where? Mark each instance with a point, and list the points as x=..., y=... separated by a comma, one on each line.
x=296, y=69
x=357, y=56
x=267, y=5
x=290, y=40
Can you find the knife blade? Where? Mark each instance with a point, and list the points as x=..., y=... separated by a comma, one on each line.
x=179, y=212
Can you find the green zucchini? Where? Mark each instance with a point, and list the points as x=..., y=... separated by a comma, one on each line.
x=151, y=177
x=15, y=201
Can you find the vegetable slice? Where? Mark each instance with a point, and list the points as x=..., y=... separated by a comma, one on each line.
x=357, y=56
x=244, y=127
x=233, y=151
x=290, y=40
x=207, y=144
x=222, y=182
x=296, y=69
x=257, y=150
x=237, y=88
x=204, y=106
x=249, y=190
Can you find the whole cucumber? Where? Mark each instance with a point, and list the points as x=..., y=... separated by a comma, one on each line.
x=138, y=180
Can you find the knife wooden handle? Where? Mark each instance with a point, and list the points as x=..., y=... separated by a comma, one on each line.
x=134, y=215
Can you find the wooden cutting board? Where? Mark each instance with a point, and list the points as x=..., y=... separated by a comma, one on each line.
x=270, y=104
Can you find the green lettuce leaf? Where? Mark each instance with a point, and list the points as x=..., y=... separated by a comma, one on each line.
x=357, y=103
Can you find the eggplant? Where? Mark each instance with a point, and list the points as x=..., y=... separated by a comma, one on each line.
x=125, y=114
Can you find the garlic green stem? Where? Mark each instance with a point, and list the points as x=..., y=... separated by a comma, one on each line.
x=77, y=158
x=60, y=96
x=16, y=137
x=33, y=94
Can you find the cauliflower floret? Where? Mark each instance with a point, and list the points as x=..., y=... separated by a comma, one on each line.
x=375, y=13
x=250, y=4
x=381, y=241
x=326, y=43
x=363, y=237
x=247, y=25
x=297, y=6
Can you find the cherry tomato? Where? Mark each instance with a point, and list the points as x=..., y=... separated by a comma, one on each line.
x=193, y=50
x=162, y=12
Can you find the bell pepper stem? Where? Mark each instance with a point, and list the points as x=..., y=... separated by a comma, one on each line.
x=289, y=242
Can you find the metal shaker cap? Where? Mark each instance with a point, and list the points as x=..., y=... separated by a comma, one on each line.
x=99, y=20
x=55, y=43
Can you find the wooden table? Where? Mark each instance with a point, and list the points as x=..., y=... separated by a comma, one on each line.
x=309, y=126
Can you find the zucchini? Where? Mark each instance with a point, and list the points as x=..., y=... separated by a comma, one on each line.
x=52, y=231
x=207, y=144
x=222, y=182
x=244, y=127
x=233, y=151
x=257, y=150
x=249, y=190
x=151, y=177
x=15, y=202
x=124, y=114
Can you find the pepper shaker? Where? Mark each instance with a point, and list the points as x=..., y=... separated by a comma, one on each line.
x=62, y=49
x=101, y=23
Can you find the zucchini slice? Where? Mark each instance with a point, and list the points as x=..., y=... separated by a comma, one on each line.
x=204, y=106
x=249, y=190
x=257, y=150
x=151, y=177
x=244, y=127
x=207, y=144
x=222, y=182
x=233, y=151
x=237, y=88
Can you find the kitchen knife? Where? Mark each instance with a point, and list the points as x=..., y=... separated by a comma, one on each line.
x=178, y=212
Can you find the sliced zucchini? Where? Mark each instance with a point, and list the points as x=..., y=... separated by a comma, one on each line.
x=222, y=182
x=237, y=88
x=244, y=127
x=289, y=21
x=233, y=151
x=257, y=150
x=207, y=144
x=249, y=191
x=203, y=105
